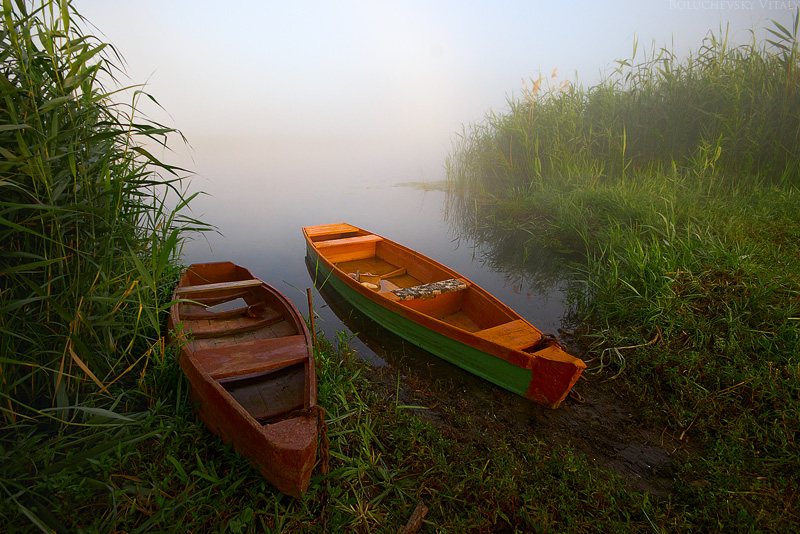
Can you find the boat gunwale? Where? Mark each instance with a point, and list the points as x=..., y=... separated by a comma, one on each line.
x=200, y=380
x=288, y=307
x=513, y=356
x=518, y=358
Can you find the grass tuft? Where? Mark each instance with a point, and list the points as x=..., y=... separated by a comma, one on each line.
x=675, y=187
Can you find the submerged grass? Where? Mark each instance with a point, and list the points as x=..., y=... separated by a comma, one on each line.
x=677, y=183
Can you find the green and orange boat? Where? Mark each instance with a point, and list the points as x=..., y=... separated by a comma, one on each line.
x=441, y=311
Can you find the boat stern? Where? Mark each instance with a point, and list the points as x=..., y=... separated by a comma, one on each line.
x=290, y=459
x=554, y=373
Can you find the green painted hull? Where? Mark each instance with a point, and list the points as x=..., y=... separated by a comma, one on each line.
x=496, y=370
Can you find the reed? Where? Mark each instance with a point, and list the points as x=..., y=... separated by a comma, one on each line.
x=730, y=110
x=676, y=185
x=90, y=219
x=691, y=298
x=91, y=225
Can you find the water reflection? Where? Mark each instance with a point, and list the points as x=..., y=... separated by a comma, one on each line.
x=267, y=240
x=387, y=348
x=528, y=267
x=529, y=270
x=403, y=360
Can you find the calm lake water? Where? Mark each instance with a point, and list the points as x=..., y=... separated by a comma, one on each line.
x=261, y=230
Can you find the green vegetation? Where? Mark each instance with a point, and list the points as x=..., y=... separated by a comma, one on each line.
x=677, y=183
x=725, y=110
x=689, y=229
x=161, y=471
x=89, y=233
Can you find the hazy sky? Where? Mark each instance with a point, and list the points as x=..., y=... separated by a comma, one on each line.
x=375, y=89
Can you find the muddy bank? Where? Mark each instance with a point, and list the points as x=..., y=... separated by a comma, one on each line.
x=599, y=421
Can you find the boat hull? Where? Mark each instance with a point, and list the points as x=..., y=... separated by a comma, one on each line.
x=251, y=371
x=492, y=368
x=544, y=376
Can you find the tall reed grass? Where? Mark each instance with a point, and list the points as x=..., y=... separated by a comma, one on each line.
x=91, y=220
x=734, y=110
x=677, y=183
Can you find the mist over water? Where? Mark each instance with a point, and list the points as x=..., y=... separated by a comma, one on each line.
x=266, y=238
x=308, y=113
x=372, y=91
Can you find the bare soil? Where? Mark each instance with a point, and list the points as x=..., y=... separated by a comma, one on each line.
x=598, y=421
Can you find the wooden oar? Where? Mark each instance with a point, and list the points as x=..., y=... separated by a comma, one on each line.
x=396, y=272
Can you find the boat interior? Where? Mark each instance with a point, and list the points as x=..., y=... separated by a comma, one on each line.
x=244, y=336
x=413, y=280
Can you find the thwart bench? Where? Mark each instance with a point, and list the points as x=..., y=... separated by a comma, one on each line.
x=252, y=357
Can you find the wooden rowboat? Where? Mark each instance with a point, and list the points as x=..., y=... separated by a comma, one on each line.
x=439, y=310
x=248, y=356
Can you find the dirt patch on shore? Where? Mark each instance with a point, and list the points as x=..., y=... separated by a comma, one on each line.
x=599, y=422
x=602, y=421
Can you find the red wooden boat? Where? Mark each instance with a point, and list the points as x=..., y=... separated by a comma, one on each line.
x=439, y=310
x=248, y=356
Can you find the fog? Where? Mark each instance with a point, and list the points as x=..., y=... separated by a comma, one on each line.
x=306, y=94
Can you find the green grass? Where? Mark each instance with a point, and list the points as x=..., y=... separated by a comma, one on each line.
x=91, y=224
x=87, y=224
x=160, y=470
x=673, y=187
x=726, y=109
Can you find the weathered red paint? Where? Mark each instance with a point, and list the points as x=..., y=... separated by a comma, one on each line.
x=240, y=350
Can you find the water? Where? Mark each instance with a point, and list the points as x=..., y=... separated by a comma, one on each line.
x=260, y=228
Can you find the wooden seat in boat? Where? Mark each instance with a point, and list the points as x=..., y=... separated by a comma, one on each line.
x=252, y=357
x=204, y=288
x=515, y=334
x=331, y=229
x=361, y=239
x=209, y=329
x=347, y=248
x=256, y=311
